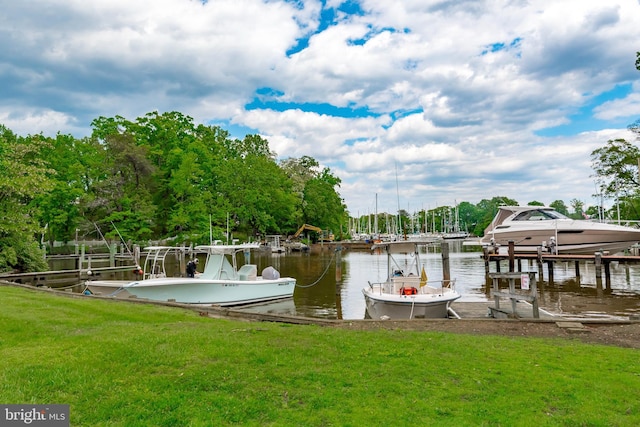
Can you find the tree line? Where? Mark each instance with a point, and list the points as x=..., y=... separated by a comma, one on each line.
x=158, y=176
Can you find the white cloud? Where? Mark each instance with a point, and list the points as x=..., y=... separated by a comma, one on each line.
x=625, y=107
x=32, y=121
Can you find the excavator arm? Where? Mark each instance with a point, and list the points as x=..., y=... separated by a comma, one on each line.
x=307, y=227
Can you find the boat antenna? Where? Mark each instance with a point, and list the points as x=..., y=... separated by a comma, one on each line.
x=101, y=235
x=122, y=240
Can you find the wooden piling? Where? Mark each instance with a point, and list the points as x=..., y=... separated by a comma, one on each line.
x=112, y=255
x=607, y=275
x=598, y=264
x=446, y=271
x=485, y=256
x=530, y=294
x=512, y=254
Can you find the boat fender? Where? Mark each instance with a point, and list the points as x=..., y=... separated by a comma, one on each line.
x=408, y=291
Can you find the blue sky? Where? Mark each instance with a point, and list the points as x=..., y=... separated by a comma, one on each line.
x=446, y=101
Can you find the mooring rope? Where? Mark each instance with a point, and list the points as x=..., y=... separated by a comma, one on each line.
x=322, y=275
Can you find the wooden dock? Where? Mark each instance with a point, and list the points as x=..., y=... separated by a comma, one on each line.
x=486, y=310
x=601, y=260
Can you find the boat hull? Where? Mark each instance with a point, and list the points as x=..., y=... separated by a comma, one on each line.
x=397, y=307
x=108, y=287
x=531, y=228
x=568, y=240
x=219, y=292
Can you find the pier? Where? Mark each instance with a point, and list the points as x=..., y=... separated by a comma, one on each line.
x=601, y=260
x=86, y=266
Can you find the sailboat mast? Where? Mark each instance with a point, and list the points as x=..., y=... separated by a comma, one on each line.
x=375, y=220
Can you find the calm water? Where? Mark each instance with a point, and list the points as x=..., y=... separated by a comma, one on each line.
x=329, y=283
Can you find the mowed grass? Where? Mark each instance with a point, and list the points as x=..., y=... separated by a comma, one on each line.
x=123, y=364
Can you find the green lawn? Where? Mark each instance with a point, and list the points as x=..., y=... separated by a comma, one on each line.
x=122, y=364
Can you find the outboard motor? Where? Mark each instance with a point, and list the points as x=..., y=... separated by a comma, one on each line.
x=270, y=273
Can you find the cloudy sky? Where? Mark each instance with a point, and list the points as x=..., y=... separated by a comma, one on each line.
x=418, y=103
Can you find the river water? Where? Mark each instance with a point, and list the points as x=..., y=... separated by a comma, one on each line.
x=330, y=283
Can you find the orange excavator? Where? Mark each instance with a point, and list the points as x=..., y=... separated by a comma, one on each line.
x=325, y=236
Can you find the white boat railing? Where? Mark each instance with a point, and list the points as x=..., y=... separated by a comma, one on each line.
x=410, y=285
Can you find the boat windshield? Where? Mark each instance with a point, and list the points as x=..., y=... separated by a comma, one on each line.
x=538, y=215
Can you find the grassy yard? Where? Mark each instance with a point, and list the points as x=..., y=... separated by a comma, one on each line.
x=122, y=364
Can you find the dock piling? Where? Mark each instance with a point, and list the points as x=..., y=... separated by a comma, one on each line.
x=446, y=271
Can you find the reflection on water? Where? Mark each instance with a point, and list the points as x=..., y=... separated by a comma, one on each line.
x=330, y=283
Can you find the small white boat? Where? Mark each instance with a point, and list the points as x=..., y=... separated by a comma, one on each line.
x=532, y=227
x=222, y=282
x=273, y=244
x=407, y=293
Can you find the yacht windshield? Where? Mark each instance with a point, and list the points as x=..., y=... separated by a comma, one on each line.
x=538, y=215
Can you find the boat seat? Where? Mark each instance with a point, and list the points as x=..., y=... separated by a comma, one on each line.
x=406, y=282
x=248, y=272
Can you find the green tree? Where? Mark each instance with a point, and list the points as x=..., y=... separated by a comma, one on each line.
x=559, y=206
x=578, y=208
x=256, y=189
x=490, y=208
x=322, y=204
x=317, y=190
x=616, y=171
x=153, y=179
x=59, y=207
x=300, y=171
x=121, y=198
x=469, y=216
x=24, y=175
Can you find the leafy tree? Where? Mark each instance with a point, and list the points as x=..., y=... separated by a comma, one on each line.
x=119, y=198
x=59, y=208
x=578, y=208
x=23, y=176
x=490, y=208
x=616, y=171
x=469, y=216
x=322, y=205
x=559, y=206
x=591, y=212
x=535, y=203
x=300, y=171
x=320, y=202
x=256, y=189
x=153, y=177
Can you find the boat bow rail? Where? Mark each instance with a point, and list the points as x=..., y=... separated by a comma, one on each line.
x=402, y=285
